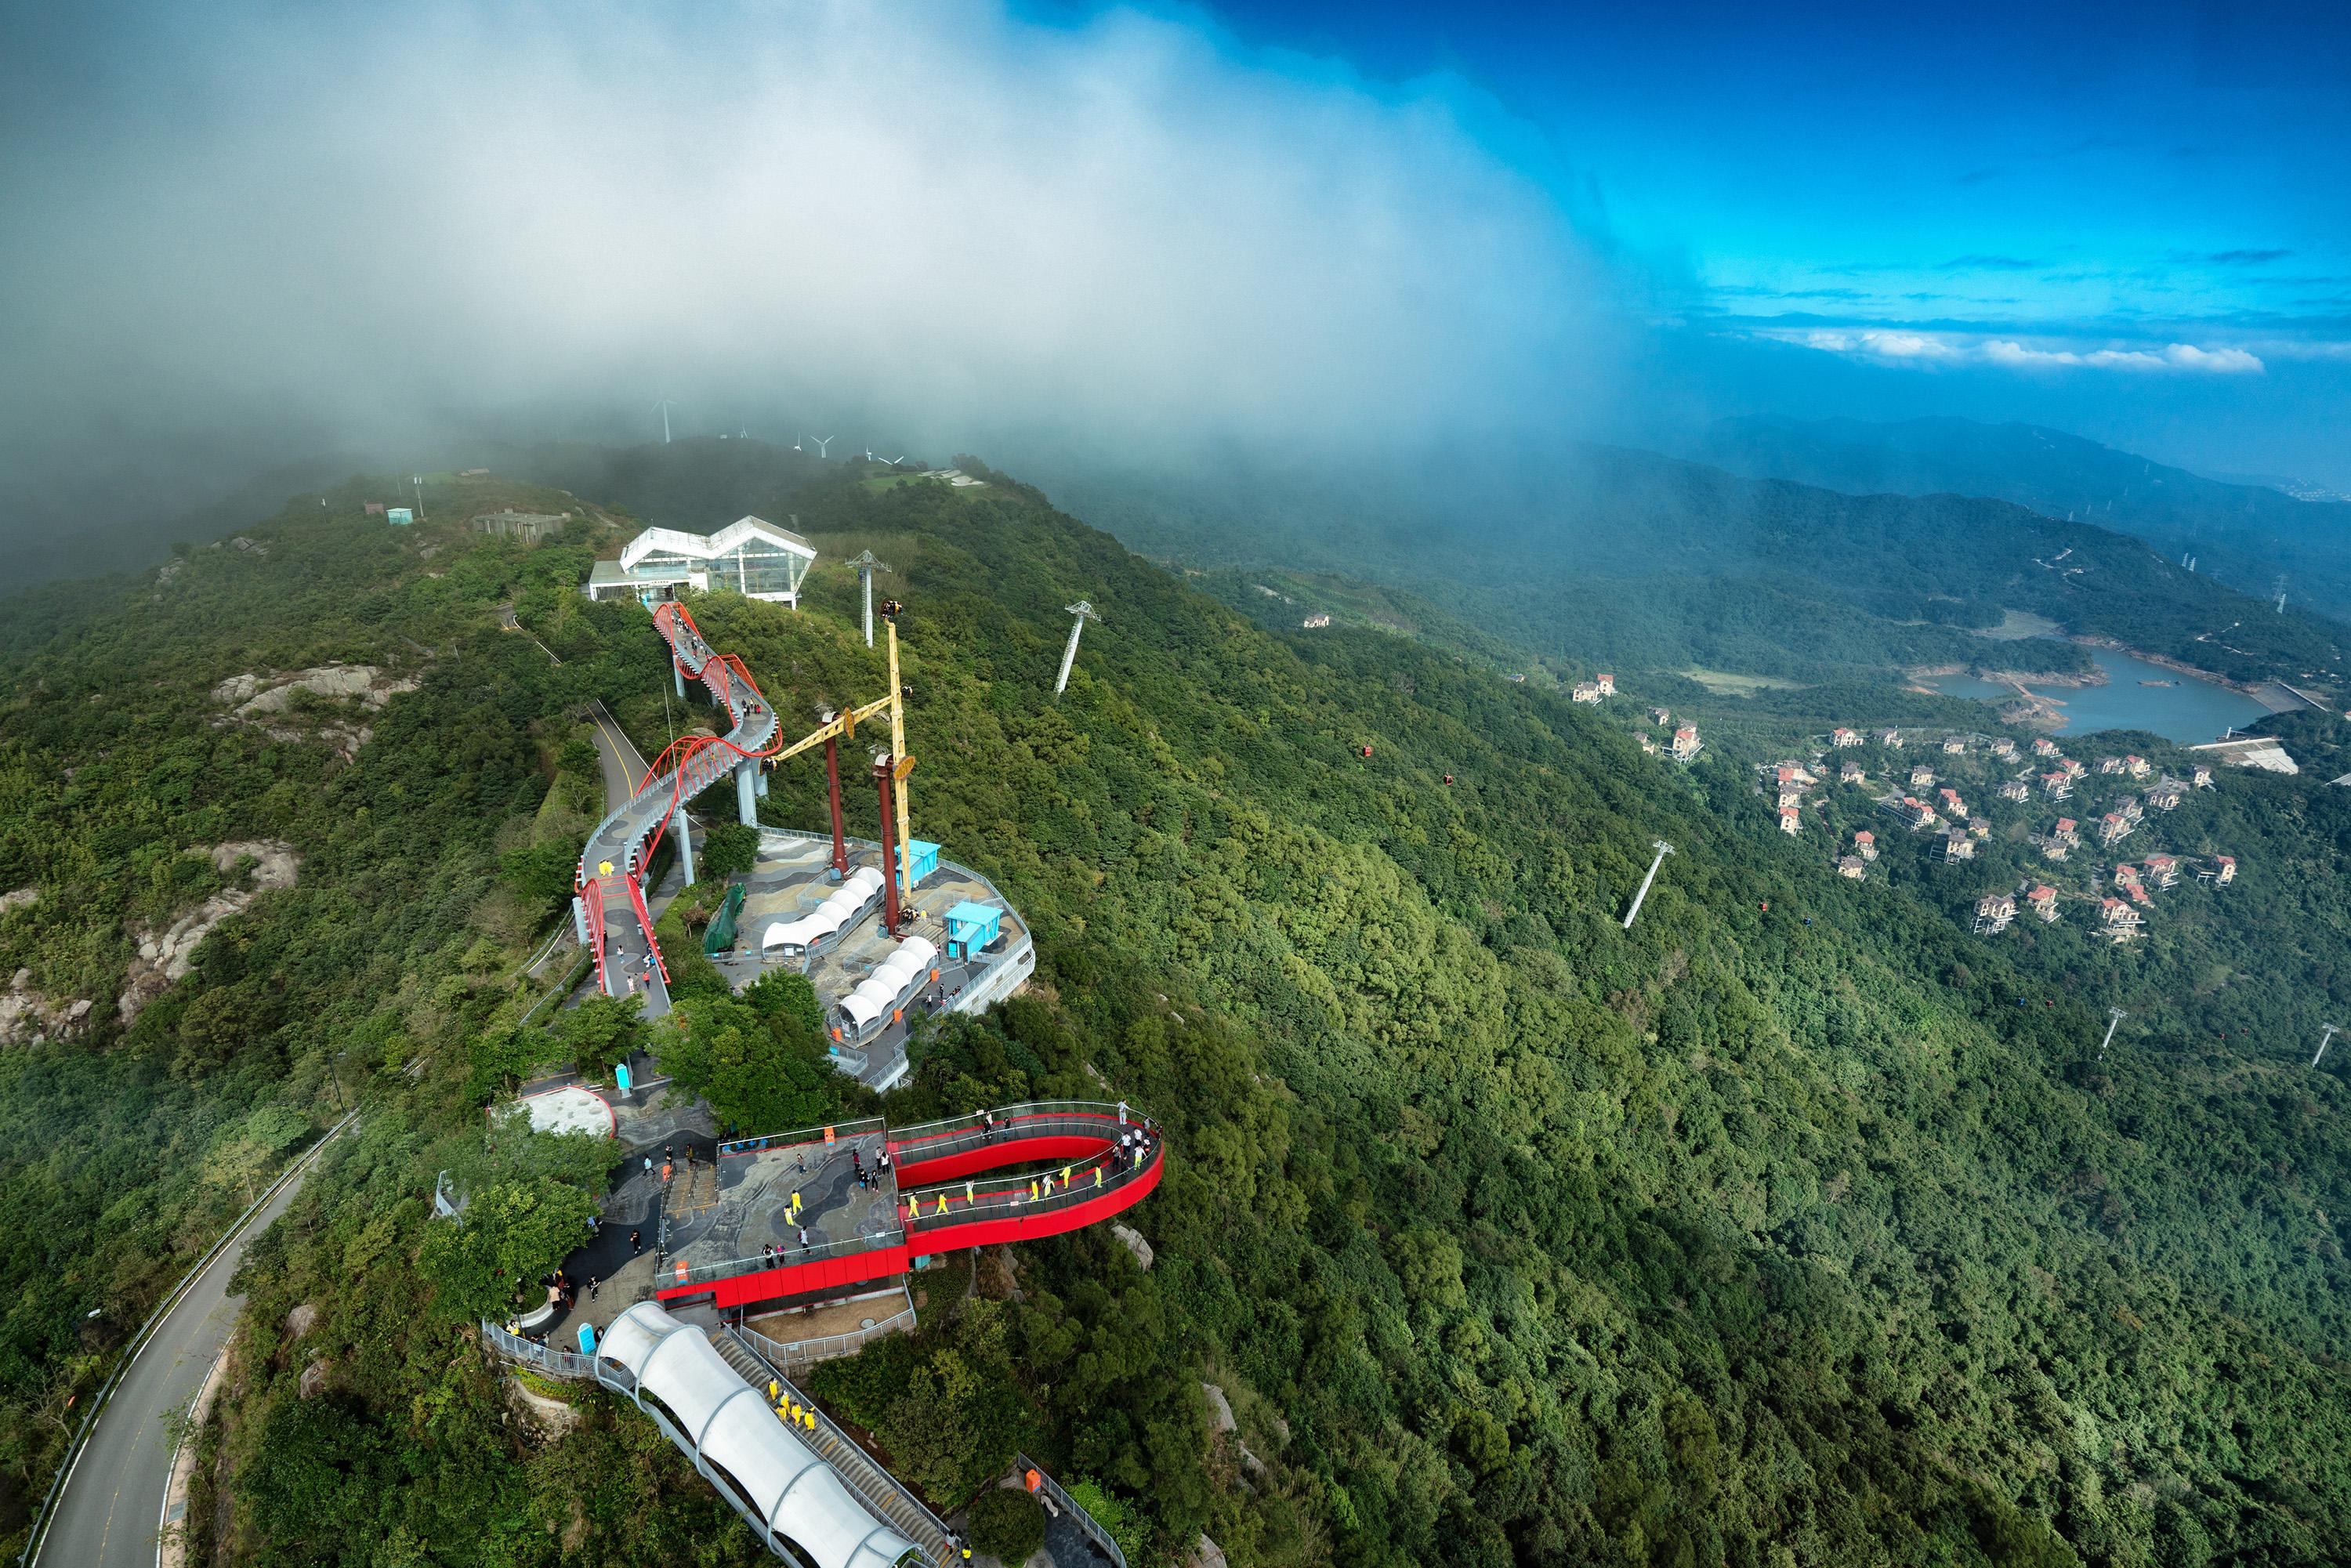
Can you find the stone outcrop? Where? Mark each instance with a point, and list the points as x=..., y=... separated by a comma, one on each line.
x=265, y=700
x=29, y=1017
x=1132, y=1240
x=165, y=955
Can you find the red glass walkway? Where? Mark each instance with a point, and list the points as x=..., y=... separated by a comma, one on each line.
x=952, y=1193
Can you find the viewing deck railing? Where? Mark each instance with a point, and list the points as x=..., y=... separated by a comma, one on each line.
x=952, y=1203
x=824, y=1347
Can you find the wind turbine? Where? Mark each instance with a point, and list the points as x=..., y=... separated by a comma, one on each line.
x=1083, y=612
x=821, y=442
x=866, y=567
x=796, y=441
x=1663, y=849
x=2331, y=1032
x=663, y=406
x=2114, y=1017
x=869, y=454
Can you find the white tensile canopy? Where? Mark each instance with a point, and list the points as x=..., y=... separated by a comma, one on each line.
x=890, y=982
x=730, y=1427
x=848, y=901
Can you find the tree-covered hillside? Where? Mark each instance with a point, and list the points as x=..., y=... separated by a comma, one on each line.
x=2245, y=534
x=1640, y=561
x=1774, y=1230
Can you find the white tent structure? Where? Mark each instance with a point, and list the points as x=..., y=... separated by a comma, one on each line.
x=848, y=905
x=892, y=980
x=775, y=1480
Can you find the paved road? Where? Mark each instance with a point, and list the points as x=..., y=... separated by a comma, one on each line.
x=113, y=1500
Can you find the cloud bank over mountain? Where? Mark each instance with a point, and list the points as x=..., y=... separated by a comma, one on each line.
x=358, y=227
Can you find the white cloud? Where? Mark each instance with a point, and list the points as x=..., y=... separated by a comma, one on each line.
x=941, y=217
x=1905, y=347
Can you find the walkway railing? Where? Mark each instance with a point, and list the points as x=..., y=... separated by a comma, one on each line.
x=530, y=1353
x=1012, y=1196
x=1061, y=1500
x=842, y=1133
x=849, y=1247
x=825, y=1347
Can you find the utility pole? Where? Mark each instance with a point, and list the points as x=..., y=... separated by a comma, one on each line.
x=1663, y=849
x=418, y=480
x=2331, y=1032
x=2114, y=1017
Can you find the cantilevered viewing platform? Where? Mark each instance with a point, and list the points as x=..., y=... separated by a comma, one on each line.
x=1017, y=1173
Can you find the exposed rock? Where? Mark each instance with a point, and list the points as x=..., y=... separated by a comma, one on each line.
x=1133, y=1241
x=314, y=1379
x=1207, y=1555
x=29, y=1017
x=22, y=898
x=301, y=1321
x=165, y=955
x=548, y=1419
x=242, y=544
x=276, y=861
x=252, y=696
x=1220, y=1409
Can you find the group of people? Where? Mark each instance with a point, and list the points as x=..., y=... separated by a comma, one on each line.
x=773, y=1251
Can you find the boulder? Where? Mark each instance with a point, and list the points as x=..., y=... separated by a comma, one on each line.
x=301, y=1321
x=1205, y=1554
x=1133, y=1241
x=1220, y=1409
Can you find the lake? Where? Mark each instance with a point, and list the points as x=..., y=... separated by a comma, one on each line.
x=2188, y=711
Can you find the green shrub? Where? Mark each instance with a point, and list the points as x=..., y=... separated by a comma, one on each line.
x=1008, y=1525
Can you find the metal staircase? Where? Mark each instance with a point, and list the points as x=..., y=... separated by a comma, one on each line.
x=874, y=1485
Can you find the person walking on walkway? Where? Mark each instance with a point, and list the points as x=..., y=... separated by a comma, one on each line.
x=1122, y=1112
x=592, y=1283
x=636, y=1244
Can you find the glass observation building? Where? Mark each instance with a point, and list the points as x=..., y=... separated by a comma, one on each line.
x=749, y=555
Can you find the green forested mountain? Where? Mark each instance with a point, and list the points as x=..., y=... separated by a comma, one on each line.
x=1796, y=1225
x=2245, y=534
x=1647, y=562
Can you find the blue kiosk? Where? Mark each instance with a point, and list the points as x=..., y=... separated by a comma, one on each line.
x=925, y=858
x=971, y=927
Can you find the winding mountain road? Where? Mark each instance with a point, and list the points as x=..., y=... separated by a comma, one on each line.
x=111, y=1510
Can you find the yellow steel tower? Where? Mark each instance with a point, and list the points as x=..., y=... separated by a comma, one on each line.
x=900, y=763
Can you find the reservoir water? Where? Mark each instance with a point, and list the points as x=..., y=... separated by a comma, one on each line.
x=2188, y=711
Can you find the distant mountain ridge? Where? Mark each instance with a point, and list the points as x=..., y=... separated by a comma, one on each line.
x=2247, y=534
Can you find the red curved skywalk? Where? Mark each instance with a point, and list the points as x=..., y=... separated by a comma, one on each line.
x=948, y=1191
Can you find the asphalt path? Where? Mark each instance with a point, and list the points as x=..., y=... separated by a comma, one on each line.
x=113, y=1500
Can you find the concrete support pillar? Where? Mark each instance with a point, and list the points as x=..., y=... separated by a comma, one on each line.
x=684, y=827
x=762, y=785
x=678, y=670
x=579, y=919
x=747, y=785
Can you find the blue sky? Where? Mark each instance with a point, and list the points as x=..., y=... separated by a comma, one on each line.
x=2131, y=220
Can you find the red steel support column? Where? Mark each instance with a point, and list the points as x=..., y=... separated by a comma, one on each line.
x=832, y=780
x=881, y=778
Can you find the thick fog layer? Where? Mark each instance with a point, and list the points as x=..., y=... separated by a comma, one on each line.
x=240, y=237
